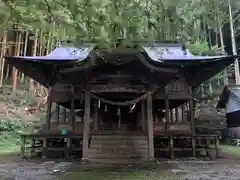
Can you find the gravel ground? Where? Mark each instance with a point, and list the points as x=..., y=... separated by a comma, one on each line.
x=32, y=170
x=17, y=169
x=208, y=170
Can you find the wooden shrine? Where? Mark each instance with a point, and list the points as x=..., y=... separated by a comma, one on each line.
x=130, y=102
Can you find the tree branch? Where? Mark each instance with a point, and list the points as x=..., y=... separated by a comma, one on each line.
x=63, y=5
x=49, y=10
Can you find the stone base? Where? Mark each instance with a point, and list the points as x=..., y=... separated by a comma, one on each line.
x=85, y=161
x=151, y=159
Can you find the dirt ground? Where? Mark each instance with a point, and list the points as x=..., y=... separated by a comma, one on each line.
x=14, y=168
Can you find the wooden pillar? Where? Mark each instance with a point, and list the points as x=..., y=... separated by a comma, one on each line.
x=171, y=115
x=73, y=109
x=64, y=114
x=183, y=112
x=171, y=147
x=150, y=128
x=49, y=110
x=33, y=144
x=57, y=114
x=143, y=116
x=166, y=108
x=177, y=114
x=191, y=108
x=167, y=113
x=86, y=129
x=45, y=148
x=95, y=117
x=68, y=148
x=23, y=144
x=119, y=121
x=217, y=146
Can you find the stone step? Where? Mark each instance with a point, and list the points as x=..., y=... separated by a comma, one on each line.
x=120, y=140
x=116, y=151
x=119, y=156
x=118, y=137
x=123, y=146
x=118, y=161
x=112, y=150
x=117, y=143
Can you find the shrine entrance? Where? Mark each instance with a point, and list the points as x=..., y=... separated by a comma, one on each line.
x=120, y=117
x=123, y=118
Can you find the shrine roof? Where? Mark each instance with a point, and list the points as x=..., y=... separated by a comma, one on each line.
x=49, y=68
x=156, y=52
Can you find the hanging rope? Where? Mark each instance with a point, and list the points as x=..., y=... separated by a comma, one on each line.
x=125, y=103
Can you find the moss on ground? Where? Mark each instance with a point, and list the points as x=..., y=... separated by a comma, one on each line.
x=231, y=150
x=9, y=143
x=124, y=173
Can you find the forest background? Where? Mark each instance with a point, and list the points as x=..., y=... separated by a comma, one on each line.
x=207, y=27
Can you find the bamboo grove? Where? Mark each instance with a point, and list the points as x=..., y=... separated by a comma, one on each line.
x=198, y=23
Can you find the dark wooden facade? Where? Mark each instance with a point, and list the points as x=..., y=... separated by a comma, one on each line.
x=127, y=94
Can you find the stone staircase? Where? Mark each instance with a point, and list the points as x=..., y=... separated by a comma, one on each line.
x=118, y=149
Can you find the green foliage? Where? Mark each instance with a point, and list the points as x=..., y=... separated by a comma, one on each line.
x=9, y=137
x=9, y=142
x=106, y=20
x=203, y=48
x=10, y=125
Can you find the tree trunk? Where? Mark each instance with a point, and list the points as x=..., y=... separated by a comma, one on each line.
x=234, y=49
x=41, y=53
x=225, y=72
x=205, y=29
x=25, y=51
x=209, y=38
x=3, y=51
x=16, y=53
x=34, y=52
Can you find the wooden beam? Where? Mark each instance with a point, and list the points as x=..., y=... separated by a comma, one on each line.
x=86, y=129
x=117, y=88
x=150, y=128
x=123, y=75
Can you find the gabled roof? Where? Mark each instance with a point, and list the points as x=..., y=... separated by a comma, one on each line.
x=157, y=52
x=161, y=57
